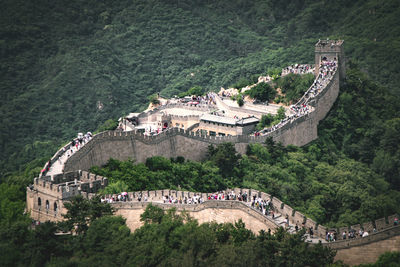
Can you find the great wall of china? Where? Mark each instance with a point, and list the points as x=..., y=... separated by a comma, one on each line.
x=45, y=197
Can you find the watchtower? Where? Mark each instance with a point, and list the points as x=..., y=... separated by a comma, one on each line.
x=330, y=50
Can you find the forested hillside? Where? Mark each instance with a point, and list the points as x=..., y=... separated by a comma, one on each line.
x=67, y=66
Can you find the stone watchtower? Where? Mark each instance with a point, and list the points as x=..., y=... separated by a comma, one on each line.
x=330, y=50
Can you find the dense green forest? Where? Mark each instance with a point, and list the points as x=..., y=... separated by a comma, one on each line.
x=166, y=239
x=67, y=66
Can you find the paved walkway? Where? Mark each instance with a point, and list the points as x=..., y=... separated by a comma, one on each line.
x=58, y=166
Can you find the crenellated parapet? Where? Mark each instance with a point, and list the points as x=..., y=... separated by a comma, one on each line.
x=45, y=197
x=182, y=201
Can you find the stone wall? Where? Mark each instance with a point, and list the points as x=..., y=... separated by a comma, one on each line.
x=177, y=142
x=45, y=198
x=367, y=249
x=209, y=211
x=278, y=206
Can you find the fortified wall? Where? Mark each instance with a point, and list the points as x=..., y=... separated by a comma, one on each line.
x=256, y=220
x=46, y=196
x=367, y=249
x=209, y=211
x=176, y=142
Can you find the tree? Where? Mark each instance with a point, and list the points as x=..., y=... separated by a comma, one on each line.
x=280, y=114
x=196, y=90
x=240, y=101
x=108, y=125
x=154, y=99
x=225, y=157
x=152, y=214
x=262, y=92
x=81, y=212
x=115, y=188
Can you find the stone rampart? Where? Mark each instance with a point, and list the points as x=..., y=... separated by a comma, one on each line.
x=44, y=199
x=208, y=211
x=295, y=217
x=367, y=249
x=178, y=142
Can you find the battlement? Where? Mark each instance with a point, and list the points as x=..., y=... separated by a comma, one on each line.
x=180, y=200
x=69, y=184
x=328, y=44
x=140, y=198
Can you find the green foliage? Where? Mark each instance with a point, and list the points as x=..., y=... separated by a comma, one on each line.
x=364, y=125
x=266, y=121
x=269, y=119
x=108, y=125
x=152, y=214
x=280, y=115
x=154, y=99
x=240, y=101
x=262, y=92
x=196, y=90
x=159, y=173
x=243, y=82
x=294, y=86
x=274, y=72
x=81, y=212
x=225, y=157
x=116, y=187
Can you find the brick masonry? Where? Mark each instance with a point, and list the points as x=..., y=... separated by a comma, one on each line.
x=367, y=249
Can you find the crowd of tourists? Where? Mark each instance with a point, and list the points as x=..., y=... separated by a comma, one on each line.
x=77, y=143
x=327, y=69
x=263, y=206
x=297, y=69
x=123, y=197
x=68, y=150
x=205, y=100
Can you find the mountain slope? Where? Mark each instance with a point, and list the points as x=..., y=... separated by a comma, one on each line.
x=69, y=66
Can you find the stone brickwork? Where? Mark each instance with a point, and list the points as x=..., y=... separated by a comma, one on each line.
x=209, y=211
x=367, y=249
x=277, y=205
x=45, y=198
